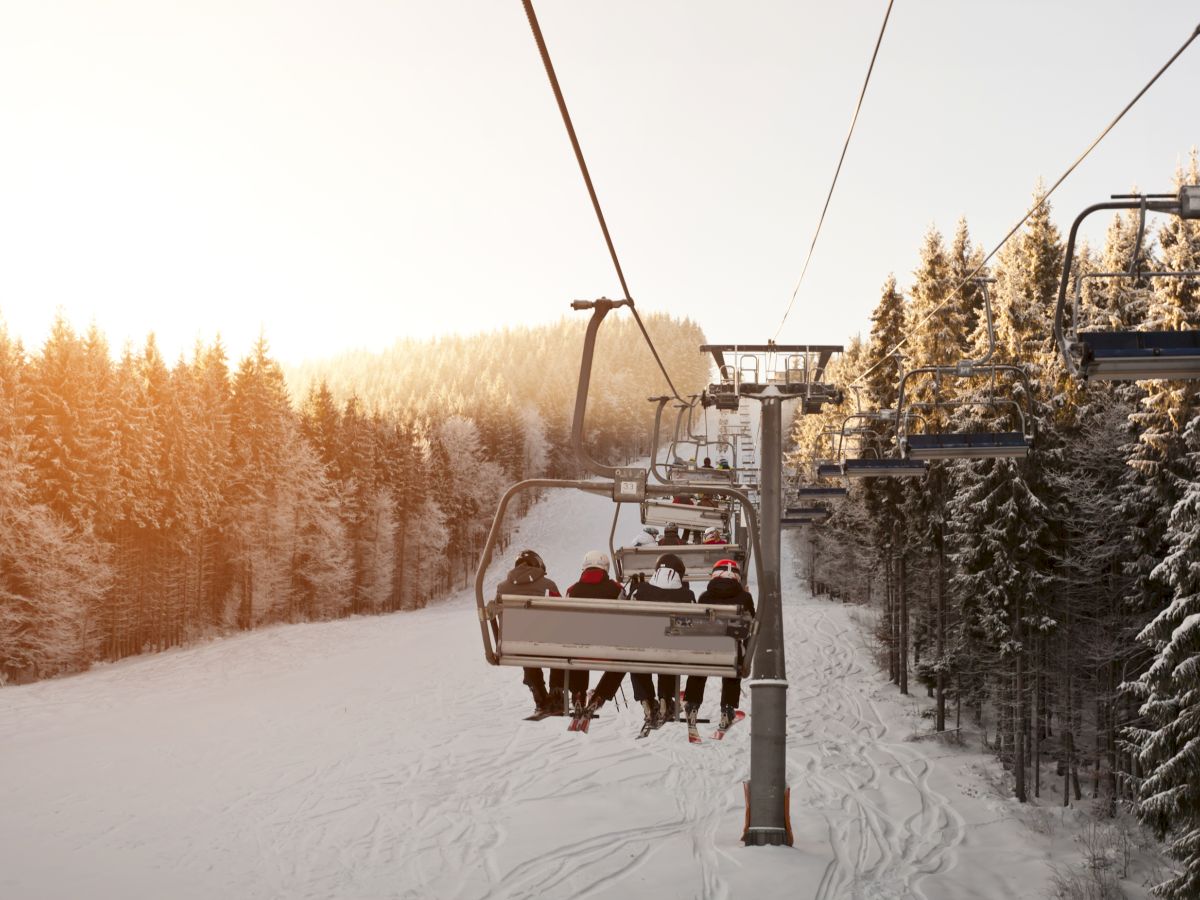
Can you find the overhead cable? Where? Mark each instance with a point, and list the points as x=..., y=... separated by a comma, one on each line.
x=587, y=180
x=837, y=171
x=1036, y=206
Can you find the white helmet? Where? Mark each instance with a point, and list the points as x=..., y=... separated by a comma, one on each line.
x=711, y=532
x=594, y=559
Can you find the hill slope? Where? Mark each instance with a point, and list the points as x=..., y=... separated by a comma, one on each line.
x=381, y=757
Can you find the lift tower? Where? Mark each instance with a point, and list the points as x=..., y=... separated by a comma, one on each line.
x=771, y=374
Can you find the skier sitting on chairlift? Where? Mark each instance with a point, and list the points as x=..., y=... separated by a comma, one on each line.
x=707, y=463
x=666, y=585
x=713, y=535
x=722, y=463
x=595, y=584
x=647, y=537
x=670, y=536
x=725, y=587
x=528, y=579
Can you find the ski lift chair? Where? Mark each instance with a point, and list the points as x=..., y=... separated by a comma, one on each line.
x=698, y=559
x=815, y=514
x=690, y=518
x=614, y=635
x=932, y=445
x=872, y=461
x=819, y=492
x=1119, y=354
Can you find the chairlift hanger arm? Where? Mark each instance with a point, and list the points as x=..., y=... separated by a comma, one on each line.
x=659, y=402
x=600, y=308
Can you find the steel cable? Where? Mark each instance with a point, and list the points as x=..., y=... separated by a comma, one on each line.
x=837, y=171
x=1041, y=201
x=587, y=180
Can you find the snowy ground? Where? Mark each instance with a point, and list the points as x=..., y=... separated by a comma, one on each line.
x=381, y=757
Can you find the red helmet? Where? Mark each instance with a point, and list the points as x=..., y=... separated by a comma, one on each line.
x=727, y=568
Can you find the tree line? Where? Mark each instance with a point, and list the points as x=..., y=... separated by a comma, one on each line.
x=1053, y=601
x=144, y=505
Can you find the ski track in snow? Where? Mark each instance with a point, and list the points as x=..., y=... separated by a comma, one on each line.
x=382, y=757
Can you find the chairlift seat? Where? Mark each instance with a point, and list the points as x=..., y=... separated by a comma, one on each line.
x=1140, y=355
x=661, y=512
x=830, y=470
x=795, y=521
x=966, y=445
x=698, y=559
x=620, y=635
x=700, y=475
x=814, y=492
x=872, y=467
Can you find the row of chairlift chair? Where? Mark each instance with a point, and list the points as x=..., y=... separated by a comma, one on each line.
x=1095, y=353
x=714, y=640
x=621, y=635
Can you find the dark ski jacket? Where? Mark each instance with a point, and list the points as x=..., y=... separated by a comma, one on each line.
x=728, y=592
x=528, y=581
x=670, y=540
x=654, y=594
x=595, y=585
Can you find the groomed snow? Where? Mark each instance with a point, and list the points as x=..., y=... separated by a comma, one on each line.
x=381, y=757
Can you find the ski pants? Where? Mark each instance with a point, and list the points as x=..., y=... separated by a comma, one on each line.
x=643, y=686
x=731, y=690
x=559, y=678
x=609, y=682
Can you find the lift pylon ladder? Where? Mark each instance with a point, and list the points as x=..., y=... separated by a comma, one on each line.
x=1128, y=355
x=615, y=635
x=801, y=379
x=931, y=445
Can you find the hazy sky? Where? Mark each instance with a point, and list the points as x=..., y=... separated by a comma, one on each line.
x=344, y=174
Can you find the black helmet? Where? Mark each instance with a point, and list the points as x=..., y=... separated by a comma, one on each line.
x=529, y=558
x=671, y=561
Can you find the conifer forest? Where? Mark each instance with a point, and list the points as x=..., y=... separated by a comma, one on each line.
x=1051, y=602
x=148, y=504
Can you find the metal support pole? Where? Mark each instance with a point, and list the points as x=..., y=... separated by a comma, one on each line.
x=768, y=687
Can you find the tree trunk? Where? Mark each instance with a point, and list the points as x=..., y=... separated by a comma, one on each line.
x=903, y=595
x=1018, y=705
x=1037, y=722
x=940, y=637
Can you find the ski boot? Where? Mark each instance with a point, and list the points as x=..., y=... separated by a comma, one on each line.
x=555, y=705
x=668, y=709
x=692, y=710
x=578, y=703
x=652, y=717
x=727, y=714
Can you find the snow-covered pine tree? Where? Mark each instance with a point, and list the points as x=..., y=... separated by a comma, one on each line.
x=1169, y=741
x=1004, y=536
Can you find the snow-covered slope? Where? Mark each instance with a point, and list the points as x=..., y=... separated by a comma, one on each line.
x=381, y=757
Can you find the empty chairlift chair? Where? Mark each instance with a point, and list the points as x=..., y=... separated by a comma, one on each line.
x=816, y=492
x=1127, y=354
x=962, y=444
x=872, y=461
